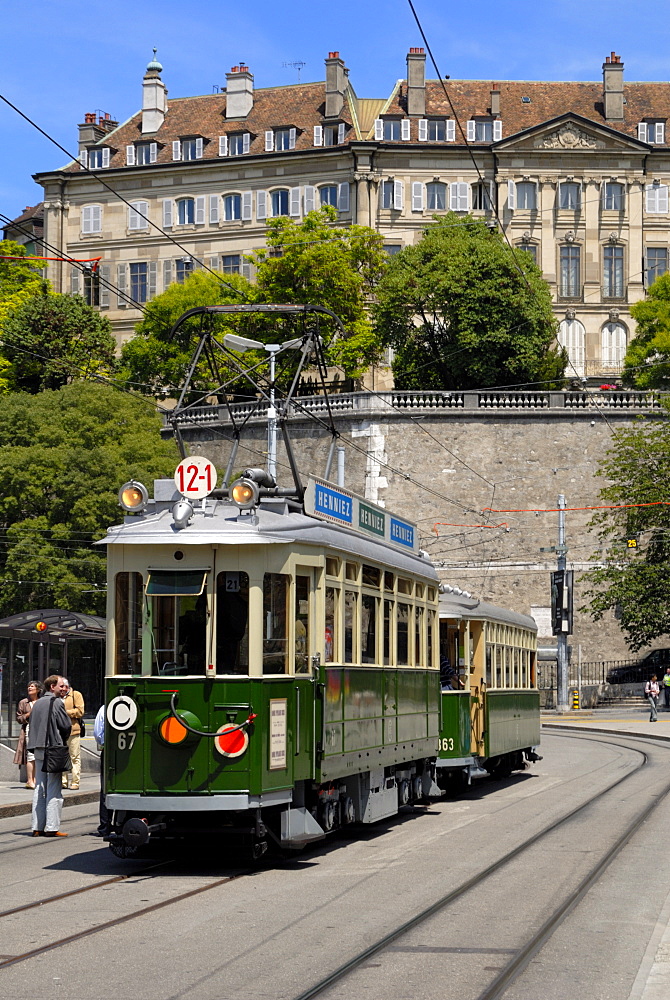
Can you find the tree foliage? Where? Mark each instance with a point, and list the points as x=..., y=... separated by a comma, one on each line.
x=63, y=456
x=51, y=340
x=19, y=279
x=647, y=361
x=635, y=583
x=464, y=311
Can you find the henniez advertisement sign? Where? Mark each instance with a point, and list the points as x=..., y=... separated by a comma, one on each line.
x=335, y=504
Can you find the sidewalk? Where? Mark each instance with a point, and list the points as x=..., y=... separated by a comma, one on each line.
x=621, y=719
x=16, y=799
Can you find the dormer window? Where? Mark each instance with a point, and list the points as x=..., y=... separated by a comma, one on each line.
x=188, y=149
x=237, y=144
x=141, y=154
x=652, y=131
x=437, y=130
x=280, y=140
x=484, y=130
x=96, y=158
x=333, y=135
x=392, y=129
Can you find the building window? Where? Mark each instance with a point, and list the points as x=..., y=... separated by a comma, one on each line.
x=613, y=344
x=186, y=211
x=138, y=215
x=387, y=194
x=280, y=202
x=656, y=200
x=392, y=131
x=652, y=131
x=436, y=196
x=530, y=248
x=91, y=219
x=481, y=196
x=613, y=197
x=526, y=196
x=91, y=288
x=98, y=158
x=572, y=336
x=231, y=263
x=238, y=144
x=569, y=196
x=183, y=269
x=657, y=263
x=437, y=131
x=138, y=282
x=145, y=153
x=613, y=272
x=569, y=272
x=189, y=149
x=483, y=131
x=392, y=248
x=232, y=207
x=333, y=135
x=328, y=195
x=283, y=139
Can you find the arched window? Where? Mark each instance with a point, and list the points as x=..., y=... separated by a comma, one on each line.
x=186, y=211
x=328, y=195
x=572, y=336
x=280, y=201
x=436, y=195
x=613, y=344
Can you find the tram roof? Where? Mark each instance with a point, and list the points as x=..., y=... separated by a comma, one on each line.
x=461, y=607
x=222, y=524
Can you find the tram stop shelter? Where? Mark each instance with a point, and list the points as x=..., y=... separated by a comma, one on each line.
x=35, y=644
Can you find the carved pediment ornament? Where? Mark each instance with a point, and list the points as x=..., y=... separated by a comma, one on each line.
x=568, y=136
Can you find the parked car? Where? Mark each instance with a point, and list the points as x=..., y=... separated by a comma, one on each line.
x=655, y=662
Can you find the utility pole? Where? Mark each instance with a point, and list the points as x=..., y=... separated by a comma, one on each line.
x=562, y=635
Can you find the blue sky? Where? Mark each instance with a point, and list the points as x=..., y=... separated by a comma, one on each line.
x=62, y=58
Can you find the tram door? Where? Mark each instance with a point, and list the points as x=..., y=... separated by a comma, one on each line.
x=304, y=687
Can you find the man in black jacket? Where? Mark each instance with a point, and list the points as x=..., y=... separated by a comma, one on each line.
x=48, y=795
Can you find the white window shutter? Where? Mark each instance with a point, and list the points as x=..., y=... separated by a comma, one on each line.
x=343, y=197
x=105, y=272
x=261, y=204
x=176, y=150
x=83, y=157
x=318, y=135
x=291, y=138
x=497, y=130
x=130, y=156
x=246, y=142
x=379, y=129
x=398, y=193
x=121, y=286
x=167, y=274
x=310, y=195
x=453, y=196
x=223, y=145
x=417, y=196
x=660, y=133
x=200, y=210
x=511, y=195
x=151, y=282
x=74, y=281
x=167, y=213
x=134, y=221
x=213, y=209
x=423, y=130
x=642, y=131
x=294, y=203
x=463, y=196
x=153, y=152
x=663, y=198
x=649, y=201
x=269, y=142
x=405, y=129
x=214, y=263
x=86, y=219
x=471, y=131
x=96, y=219
x=105, y=156
x=199, y=146
x=451, y=130
x=246, y=206
x=341, y=133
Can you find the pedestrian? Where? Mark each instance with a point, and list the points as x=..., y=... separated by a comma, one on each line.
x=23, y=756
x=74, y=706
x=666, y=688
x=49, y=726
x=652, y=690
x=104, y=826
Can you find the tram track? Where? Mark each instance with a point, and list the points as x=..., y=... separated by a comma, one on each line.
x=523, y=955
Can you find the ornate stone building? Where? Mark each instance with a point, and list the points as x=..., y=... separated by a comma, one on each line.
x=576, y=173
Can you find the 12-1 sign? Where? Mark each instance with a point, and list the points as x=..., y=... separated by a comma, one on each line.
x=195, y=477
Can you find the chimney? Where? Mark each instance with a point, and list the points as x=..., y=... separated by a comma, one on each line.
x=239, y=92
x=495, y=101
x=337, y=81
x=154, y=97
x=89, y=132
x=416, y=82
x=613, y=88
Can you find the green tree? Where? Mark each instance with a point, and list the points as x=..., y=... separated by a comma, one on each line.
x=316, y=262
x=647, y=361
x=63, y=456
x=51, y=340
x=635, y=582
x=19, y=279
x=464, y=311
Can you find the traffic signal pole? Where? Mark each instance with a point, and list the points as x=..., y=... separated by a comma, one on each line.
x=562, y=636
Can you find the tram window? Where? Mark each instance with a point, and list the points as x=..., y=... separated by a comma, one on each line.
x=402, y=634
x=350, y=616
x=489, y=665
x=388, y=618
x=515, y=667
x=389, y=581
x=430, y=625
x=330, y=643
x=275, y=618
x=332, y=566
x=301, y=624
x=431, y=593
x=508, y=665
x=232, y=623
x=128, y=623
x=371, y=576
x=352, y=571
x=404, y=586
x=499, y=666
x=418, y=637
x=419, y=591
x=179, y=628
x=368, y=628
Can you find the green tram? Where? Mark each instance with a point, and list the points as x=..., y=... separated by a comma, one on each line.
x=273, y=668
x=490, y=703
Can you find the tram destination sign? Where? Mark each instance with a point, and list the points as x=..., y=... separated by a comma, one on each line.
x=339, y=506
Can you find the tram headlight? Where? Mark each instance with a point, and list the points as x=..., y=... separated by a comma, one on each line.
x=133, y=496
x=244, y=493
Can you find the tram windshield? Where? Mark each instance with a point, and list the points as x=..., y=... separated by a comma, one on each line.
x=232, y=623
x=178, y=618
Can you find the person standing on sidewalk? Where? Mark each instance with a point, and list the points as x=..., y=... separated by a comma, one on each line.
x=666, y=688
x=651, y=691
x=48, y=794
x=74, y=706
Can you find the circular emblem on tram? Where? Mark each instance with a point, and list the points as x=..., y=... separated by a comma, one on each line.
x=230, y=741
x=121, y=712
